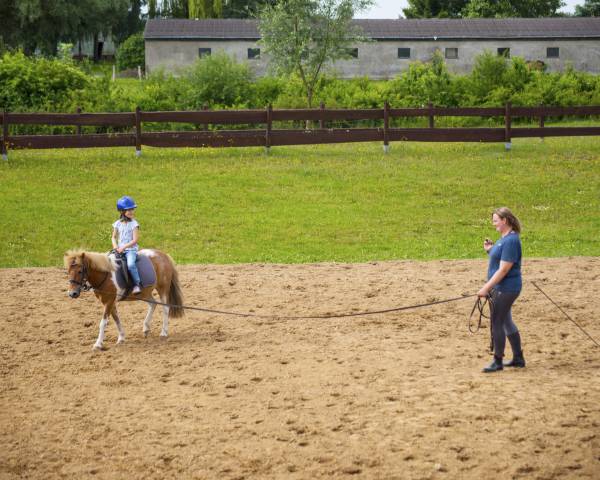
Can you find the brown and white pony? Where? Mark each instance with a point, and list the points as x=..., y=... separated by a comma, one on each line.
x=99, y=271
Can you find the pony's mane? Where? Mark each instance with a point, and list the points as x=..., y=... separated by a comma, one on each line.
x=96, y=261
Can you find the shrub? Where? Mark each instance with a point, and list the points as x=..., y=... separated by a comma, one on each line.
x=218, y=80
x=131, y=53
x=38, y=83
x=266, y=90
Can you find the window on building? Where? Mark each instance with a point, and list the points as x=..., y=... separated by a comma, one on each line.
x=404, y=53
x=504, y=52
x=204, y=52
x=253, y=53
x=452, y=53
x=352, y=52
x=552, y=52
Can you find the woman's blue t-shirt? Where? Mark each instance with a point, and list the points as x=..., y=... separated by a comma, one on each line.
x=508, y=249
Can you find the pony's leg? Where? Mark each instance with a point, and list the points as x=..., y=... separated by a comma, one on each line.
x=117, y=320
x=164, y=333
x=148, y=319
x=103, y=323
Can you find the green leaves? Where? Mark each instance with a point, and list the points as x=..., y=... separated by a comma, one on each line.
x=131, y=52
x=302, y=36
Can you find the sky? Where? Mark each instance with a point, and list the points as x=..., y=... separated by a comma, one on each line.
x=391, y=8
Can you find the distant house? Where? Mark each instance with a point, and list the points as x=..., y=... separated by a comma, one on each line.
x=98, y=47
x=557, y=42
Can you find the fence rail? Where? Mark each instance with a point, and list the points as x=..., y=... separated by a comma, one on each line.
x=268, y=136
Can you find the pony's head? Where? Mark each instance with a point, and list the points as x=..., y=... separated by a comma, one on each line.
x=79, y=264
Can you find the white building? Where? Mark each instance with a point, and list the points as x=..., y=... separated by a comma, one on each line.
x=557, y=42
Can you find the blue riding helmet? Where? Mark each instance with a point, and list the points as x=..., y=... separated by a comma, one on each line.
x=125, y=203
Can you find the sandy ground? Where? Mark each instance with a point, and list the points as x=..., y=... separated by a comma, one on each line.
x=398, y=395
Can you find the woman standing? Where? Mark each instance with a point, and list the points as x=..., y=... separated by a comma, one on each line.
x=504, y=286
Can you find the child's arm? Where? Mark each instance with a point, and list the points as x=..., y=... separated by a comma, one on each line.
x=114, y=238
x=136, y=235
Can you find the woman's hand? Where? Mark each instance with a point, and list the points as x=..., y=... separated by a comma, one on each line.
x=120, y=249
x=487, y=245
x=484, y=292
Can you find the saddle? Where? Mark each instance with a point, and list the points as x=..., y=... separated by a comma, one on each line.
x=123, y=277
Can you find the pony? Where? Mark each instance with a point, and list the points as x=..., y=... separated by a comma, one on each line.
x=97, y=271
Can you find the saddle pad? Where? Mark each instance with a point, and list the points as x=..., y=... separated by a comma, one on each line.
x=145, y=269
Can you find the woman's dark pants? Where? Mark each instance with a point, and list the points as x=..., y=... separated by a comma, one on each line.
x=502, y=323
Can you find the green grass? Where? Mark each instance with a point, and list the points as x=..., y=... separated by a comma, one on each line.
x=347, y=203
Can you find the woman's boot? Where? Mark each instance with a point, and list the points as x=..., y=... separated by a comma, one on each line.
x=518, y=358
x=495, y=366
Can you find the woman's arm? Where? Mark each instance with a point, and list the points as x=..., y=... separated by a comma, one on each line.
x=496, y=278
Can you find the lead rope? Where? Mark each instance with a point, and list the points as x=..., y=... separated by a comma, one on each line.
x=282, y=317
x=480, y=304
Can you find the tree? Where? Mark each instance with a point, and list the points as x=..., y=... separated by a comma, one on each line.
x=130, y=24
x=131, y=52
x=590, y=8
x=302, y=36
x=41, y=24
x=205, y=8
x=245, y=8
x=434, y=8
x=512, y=8
x=168, y=8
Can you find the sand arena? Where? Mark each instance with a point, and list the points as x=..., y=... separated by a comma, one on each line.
x=399, y=395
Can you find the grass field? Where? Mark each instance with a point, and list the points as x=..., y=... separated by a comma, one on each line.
x=347, y=203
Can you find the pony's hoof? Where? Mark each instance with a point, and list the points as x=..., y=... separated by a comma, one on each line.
x=120, y=341
x=164, y=337
x=98, y=347
x=146, y=333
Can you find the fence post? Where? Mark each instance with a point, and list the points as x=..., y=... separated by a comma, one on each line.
x=507, y=123
x=5, y=136
x=78, y=125
x=269, y=127
x=322, y=121
x=138, y=131
x=386, y=127
x=542, y=118
x=204, y=109
x=431, y=125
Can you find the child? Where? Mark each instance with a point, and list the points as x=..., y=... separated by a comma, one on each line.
x=127, y=231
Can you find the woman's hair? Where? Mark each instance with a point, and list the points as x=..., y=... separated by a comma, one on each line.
x=506, y=214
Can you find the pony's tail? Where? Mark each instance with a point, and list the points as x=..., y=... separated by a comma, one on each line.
x=175, y=295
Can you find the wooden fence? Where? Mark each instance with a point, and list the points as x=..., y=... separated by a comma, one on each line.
x=268, y=137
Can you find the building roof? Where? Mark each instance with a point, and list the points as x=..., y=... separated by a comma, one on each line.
x=401, y=29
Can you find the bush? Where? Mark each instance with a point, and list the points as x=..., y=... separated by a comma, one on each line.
x=218, y=81
x=42, y=84
x=423, y=83
x=131, y=53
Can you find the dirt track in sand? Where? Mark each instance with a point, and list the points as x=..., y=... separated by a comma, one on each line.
x=398, y=395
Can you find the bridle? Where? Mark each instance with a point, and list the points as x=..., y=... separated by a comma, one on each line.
x=82, y=283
